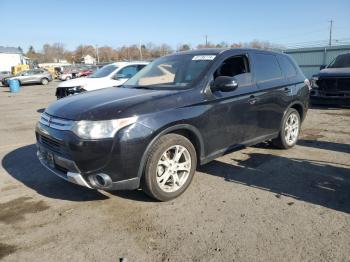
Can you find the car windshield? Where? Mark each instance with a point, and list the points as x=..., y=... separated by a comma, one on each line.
x=104, y=71
x=340, y=61
x=170, y=72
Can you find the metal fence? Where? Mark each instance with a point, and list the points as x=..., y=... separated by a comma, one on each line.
x=310, y=59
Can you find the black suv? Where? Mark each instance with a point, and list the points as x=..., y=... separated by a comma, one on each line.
x=179, y=111
x=332, y=84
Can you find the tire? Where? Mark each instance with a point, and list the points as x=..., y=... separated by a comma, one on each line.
x=287, y=140
x=162, y=169
x=44, y=81
x=68, y=78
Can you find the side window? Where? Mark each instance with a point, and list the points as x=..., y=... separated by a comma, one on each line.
x=266, y=68
x=235, y=66
x=139, y=67
x=287, y=66
x=128, y=71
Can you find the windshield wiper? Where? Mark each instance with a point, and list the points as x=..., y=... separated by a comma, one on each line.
x=136, y=87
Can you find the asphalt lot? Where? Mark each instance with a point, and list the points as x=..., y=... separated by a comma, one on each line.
x=258, y=204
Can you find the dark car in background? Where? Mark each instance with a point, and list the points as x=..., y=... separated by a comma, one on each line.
x=34, y=76
x=332, y=84
x=181, y=110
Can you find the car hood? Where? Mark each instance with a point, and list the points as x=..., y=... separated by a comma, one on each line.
x=81, y=82
x=111, y=103
x=335, y=72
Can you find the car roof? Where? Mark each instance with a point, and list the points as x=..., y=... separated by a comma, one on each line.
x=216, y=51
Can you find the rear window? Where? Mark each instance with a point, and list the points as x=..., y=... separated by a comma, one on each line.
x=266, y=68
x=287, y=66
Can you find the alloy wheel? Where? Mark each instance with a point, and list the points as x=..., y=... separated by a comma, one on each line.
x=173, y=168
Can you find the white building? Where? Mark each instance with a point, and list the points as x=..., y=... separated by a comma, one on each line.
x=88, y=60
x=11, y=56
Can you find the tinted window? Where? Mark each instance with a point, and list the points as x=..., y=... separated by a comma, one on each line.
x=139, y=67
x=104, y=71
x=340, y=61
x=128, y=71
x=266, y=67
x=287, y=66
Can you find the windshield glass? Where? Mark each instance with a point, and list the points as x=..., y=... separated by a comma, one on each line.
x=171, y=72
x=340, y=61
x=104, y=71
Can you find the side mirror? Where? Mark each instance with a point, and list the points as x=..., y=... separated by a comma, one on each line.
x=322, y=67
x=224, y=84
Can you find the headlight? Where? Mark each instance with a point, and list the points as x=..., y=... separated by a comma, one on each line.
x=101, y=129
x=314, y=82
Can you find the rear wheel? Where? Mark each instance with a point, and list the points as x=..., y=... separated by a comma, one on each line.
x=44, y=81
x=290, y=130
x=170, y=167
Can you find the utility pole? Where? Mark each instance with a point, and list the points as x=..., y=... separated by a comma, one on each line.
x=140, y=51
x=98, y=58
x=330, y=33
x=206, y=40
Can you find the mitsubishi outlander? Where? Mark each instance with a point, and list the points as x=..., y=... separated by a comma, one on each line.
x=180, y=111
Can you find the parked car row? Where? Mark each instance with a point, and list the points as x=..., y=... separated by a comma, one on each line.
x=179, y=111
x=70, y=72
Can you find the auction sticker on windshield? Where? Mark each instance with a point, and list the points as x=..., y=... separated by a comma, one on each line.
x=203, y=57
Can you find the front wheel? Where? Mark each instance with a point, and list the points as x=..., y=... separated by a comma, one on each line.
x=170, y=167
x=44, y=81
x=290, y=130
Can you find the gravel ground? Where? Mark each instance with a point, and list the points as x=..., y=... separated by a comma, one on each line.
x=258, y=204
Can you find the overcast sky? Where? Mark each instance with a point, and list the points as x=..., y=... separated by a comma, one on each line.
x=24, y=23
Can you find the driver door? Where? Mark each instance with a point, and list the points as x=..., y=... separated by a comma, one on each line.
x=231, y=118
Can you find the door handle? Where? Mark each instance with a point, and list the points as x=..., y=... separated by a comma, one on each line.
x=286, y=89
x=252, y=100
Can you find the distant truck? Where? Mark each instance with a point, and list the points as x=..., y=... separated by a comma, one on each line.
x=332, y=84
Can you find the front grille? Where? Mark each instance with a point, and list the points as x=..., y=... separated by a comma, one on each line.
x=334, y=84
x=50, y=143
x=62, y=92
x=55, y=122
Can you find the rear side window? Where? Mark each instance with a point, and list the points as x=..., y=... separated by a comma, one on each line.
x=287, y=66
x=266, y=68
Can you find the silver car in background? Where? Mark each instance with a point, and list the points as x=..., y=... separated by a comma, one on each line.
x=33, y=76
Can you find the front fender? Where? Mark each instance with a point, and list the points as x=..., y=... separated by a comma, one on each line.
x=169, y=129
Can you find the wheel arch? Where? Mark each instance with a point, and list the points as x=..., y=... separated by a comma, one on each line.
x=186, y=130
x=297, y=105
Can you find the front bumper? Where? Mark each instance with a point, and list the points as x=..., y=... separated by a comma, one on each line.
x=329, y=97
x=78, y=161
x=75, y=178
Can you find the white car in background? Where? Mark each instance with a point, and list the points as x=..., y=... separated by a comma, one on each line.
x=114, y=74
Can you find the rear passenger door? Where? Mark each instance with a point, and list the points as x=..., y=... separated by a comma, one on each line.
x=273, y=94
